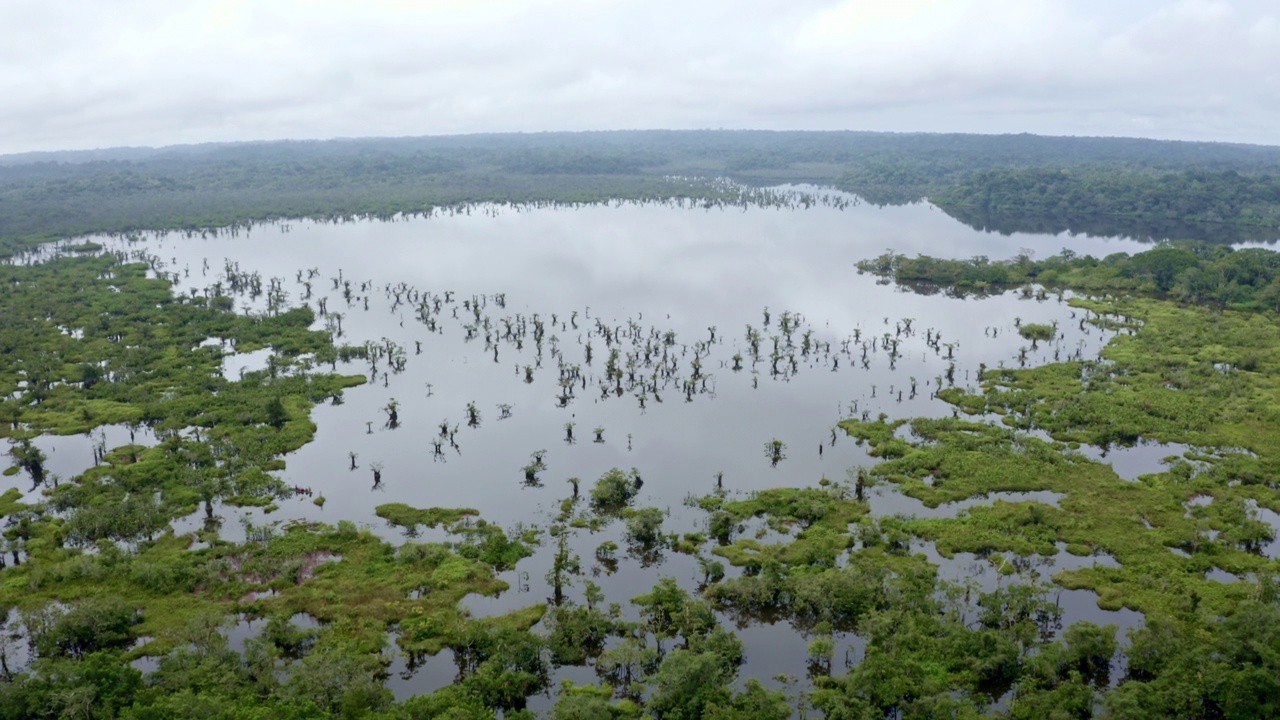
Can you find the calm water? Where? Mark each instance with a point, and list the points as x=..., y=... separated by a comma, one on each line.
x=636, y=272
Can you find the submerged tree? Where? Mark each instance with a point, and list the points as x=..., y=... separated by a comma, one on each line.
x=535, y=466
x=775, y=450
x=565, y=564
x=393, y=415
x=29, y=458
x=615, y=490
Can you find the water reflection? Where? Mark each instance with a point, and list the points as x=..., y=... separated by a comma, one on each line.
x=887, y=501
x=1136, y=460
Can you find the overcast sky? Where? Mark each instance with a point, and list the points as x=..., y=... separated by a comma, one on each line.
x=99, y=73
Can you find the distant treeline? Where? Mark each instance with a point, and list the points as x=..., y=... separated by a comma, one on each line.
x=1006, y=183
x=1188, y=271
x=1137, y=198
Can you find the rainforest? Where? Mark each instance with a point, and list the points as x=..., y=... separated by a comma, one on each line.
x=642, y=425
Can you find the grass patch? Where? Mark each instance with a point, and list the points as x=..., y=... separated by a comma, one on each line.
x=407, y=516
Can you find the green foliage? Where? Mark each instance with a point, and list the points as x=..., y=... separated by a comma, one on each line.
x=577, y=632
x=644, y=526
x=1037, y=331
x=591, y=702
x=74, y=322
x=1020, y=612
x=489, y=544
x=753, y=703
x=687, y=683
x=452, y=702
x=408, y=517
x=87, y=627
x=614, y=490
x=1141, y=198
x=99, y=684
x=500, y=664
x=1183, y=373
x=1229, y=671
x=336, y=680
x=1190, y=272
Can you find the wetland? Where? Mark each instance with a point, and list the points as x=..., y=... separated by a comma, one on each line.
x=675, y=459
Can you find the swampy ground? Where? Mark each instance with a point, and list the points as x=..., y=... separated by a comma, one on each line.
x=673, y=460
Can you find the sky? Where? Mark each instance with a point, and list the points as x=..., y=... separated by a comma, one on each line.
x=81, y=74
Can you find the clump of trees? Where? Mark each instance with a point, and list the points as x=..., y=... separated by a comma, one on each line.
x=1186, y=271
x=615, y=489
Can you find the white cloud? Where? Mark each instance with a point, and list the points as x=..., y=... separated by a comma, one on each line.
x=84, y=73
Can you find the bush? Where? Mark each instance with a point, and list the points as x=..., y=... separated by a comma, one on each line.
x=89, y=627
x=1038, y=331
x=644, y=526
x=614, y=490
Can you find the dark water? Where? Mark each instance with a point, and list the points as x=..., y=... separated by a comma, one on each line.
x=641, y=271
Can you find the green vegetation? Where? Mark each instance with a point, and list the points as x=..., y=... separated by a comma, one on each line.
x=1191, y=273
x=614, y=490
x=357, y=586
x=408, y=517
x=1134, y=197
x=99, y=578
x=1194, y=368
x=1036, y=332
x=92, y=341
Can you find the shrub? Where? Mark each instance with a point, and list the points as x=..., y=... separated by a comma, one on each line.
x=614, y=490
